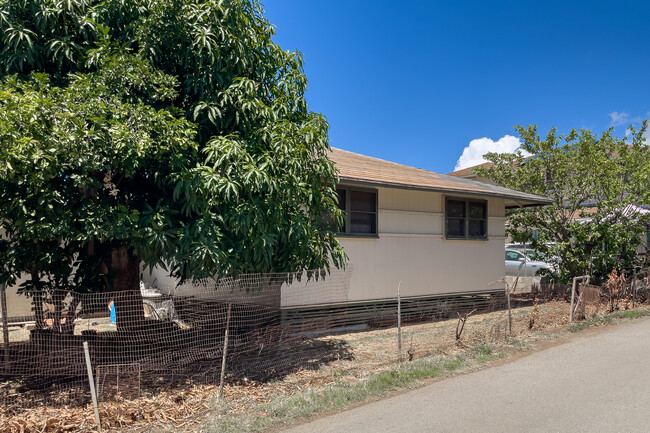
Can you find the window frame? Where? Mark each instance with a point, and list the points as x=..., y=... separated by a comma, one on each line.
x=467, y=219
x=347, y=211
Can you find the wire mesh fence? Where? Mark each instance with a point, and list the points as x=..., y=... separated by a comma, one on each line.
x=621, y=291
x=168, y=342
x=157, y=337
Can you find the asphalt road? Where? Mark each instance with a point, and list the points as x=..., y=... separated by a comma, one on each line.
x=594, y=383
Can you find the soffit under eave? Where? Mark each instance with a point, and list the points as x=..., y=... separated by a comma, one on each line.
x=513, y=204
x=510, y=202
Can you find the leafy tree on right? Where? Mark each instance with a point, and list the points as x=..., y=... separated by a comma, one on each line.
x=596, y=182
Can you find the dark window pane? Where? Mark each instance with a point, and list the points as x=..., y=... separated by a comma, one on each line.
x=363, y=223
x=456, y=208
x=456, y=227
x=477, y=210
x=363, y=201
x=342, y=194
x=476, y=228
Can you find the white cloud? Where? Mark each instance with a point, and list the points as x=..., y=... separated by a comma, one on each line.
x=625, y=119
x=619, y=118
x=473, y=154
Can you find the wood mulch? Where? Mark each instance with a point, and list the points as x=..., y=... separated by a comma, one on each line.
x=341, y=358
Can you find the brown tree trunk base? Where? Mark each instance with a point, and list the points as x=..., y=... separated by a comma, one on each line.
x=129, y=311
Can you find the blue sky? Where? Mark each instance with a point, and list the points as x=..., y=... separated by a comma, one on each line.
x=416, y=82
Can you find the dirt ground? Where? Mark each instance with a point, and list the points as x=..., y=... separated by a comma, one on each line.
x=351, y=357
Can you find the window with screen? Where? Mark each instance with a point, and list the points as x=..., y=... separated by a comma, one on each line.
x=465, y=219
x=360, y=210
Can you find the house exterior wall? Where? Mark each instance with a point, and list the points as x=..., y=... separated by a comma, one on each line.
x=158, y=278
x=411, y=247
x=18, y=306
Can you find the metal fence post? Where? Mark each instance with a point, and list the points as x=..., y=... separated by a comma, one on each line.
x=509, y=309
x=399, y=324
x=5, y=322
x=92, y=386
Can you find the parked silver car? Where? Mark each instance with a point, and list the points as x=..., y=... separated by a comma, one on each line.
x=518, y=263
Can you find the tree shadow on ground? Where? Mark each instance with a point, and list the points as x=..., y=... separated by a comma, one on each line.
x=280, y=360
x=259, y=359
x=260, y=363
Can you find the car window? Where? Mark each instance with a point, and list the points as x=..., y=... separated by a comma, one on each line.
x=512, y=255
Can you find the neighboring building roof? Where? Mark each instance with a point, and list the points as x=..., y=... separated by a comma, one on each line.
x=583, y=212
x=365, y=170
x=630, y=211
x=469, y=171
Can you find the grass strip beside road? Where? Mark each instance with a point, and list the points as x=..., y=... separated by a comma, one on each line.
x=615, y=317
x=284, y=411
x=414, y=374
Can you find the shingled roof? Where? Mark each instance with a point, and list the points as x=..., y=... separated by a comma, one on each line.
x=469, y=170
x=365, y=170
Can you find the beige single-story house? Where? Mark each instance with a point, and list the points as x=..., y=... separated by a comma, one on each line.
x=436, y=234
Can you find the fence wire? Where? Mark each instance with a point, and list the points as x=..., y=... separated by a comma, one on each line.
x=154, y=339
x=621, y=291
x=164, y=346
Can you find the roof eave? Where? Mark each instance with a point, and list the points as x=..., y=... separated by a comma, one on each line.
x=515, y=204
x=512, y=201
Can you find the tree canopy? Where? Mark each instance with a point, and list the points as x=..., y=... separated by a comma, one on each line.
x=172, y=132
x=591, y=180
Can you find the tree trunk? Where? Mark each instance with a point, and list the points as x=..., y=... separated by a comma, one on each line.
x=37, y=302
x=58, y=297
x=70, y=316
x=126, y=284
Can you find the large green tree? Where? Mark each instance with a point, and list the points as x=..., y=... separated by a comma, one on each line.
x=173, y=132
x=591, y=178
